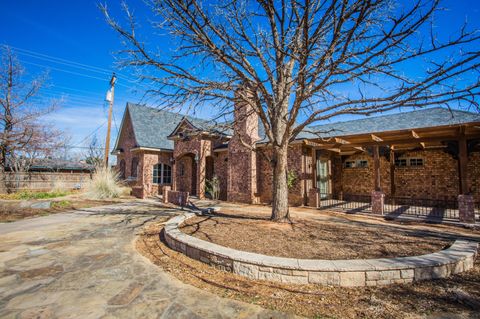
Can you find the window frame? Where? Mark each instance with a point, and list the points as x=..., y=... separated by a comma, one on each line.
x=162, y=174
x=134, y=170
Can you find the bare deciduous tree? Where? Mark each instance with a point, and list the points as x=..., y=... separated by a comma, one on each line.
x=95, y=152
x=23, y=137
x=305, y=61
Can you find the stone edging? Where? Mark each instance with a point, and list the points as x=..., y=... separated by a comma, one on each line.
x=458, y=258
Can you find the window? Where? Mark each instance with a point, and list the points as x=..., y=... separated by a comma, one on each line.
x=401, y=162
x=122, y=169
x=182, y=169
x=162, y=174
x=409, y=162
x=349, y=164
x=362, y=163
x=416, y=162
x=356, y=164
x=134, y=171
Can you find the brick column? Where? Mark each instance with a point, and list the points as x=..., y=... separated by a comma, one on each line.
x=378, y=198
x=165, y=191
x=313, y=200
x=466, y=209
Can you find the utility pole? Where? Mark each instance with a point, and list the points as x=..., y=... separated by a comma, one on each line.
x=110, y=96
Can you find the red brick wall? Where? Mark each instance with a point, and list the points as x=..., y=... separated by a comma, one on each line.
x=147, y=161
x=242, y=170
x=184, y=177
x=436, y=179
x=360, y=180
x=126, y=142
x=220, y=169
x=473, y=172
x=299, y=162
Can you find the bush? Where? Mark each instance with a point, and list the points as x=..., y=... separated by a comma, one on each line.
x=213, y=187
x=105, y=183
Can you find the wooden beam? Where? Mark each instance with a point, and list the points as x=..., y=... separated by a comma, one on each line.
x=359, y=148
x=392, y=173
x=463, y=161
x=335, y=150
x=423, y=145
x=375, y=138
x=415, y=135
x=341, y=141
x=376, y=168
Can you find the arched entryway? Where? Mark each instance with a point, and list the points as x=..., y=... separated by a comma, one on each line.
x=186, y=173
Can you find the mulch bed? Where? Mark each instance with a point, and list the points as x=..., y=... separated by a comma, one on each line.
x=328, y=237
x=458, y=294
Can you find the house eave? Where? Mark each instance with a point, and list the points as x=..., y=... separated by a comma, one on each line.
x=150, y=149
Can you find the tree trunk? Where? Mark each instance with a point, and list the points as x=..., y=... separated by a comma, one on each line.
x=280, y=211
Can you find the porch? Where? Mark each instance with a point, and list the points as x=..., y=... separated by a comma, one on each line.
x=430, y=210
x=430, y=174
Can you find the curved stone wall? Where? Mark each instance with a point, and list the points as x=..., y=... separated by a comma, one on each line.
x=347, y=273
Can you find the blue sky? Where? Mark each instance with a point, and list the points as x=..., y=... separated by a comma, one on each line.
x=42, y=32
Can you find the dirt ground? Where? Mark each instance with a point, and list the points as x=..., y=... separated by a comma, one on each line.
x=331, y=237
x=12, y=210
x=456, y=297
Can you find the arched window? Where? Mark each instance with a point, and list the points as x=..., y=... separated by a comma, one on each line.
x=134, y=171
x=122, y=169
x=162, y=174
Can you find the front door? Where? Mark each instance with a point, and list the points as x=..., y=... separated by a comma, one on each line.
x=322, y=177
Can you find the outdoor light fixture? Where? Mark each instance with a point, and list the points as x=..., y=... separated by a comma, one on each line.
x=196, y=158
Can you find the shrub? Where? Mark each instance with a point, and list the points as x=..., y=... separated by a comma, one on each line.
x=213, y=187
x=105, y=183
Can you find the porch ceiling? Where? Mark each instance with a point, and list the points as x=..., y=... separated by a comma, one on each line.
x=401, y=139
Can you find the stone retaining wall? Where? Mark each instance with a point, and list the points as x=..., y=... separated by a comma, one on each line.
x=347, y=273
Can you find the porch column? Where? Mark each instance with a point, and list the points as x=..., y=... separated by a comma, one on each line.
x=201, y=174
x=174, y=174
x=392, y=174
x=378, y=196
x=466, y=208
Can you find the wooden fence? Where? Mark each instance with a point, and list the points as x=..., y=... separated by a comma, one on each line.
x=43, y=181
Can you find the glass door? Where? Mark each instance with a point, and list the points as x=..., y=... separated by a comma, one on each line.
x=322, y=177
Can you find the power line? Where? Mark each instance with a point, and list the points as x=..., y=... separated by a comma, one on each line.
x=74, y=64
x=91, y=134
x=63, y=70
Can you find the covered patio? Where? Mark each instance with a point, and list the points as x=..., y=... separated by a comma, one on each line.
x=383, y=173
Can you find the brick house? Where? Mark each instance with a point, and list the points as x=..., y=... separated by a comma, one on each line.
x=429, y=153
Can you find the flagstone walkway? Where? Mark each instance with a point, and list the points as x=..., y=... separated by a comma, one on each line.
x=84, y=265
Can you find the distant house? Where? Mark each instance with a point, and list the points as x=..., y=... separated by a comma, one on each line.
x=45, y=174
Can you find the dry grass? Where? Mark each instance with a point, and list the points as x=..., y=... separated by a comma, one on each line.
x=11, y=211
x=313, y=301
x=105, y=183
x=326, y=238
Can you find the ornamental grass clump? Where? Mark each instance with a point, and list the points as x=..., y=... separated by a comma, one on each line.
x=105, y=183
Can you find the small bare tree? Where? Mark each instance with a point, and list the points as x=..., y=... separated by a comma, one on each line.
x=24, y=138
x=95, y=152
x=304, y=61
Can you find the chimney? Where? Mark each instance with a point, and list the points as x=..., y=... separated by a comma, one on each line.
x=242, y=159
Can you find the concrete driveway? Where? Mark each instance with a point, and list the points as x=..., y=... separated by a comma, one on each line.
x=84, y=265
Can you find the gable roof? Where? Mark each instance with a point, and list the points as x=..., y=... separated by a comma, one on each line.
x=422, y=118
x=152, y=126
